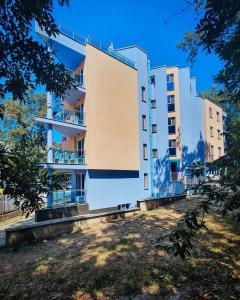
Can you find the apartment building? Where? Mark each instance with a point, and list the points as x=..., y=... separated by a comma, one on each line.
x=128, y=132
x=214, y=118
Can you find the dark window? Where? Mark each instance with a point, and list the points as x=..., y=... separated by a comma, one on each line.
x=152, y=79
x=171, y=125
x=153, y=103
x=143, y=94
x=145, y=151
x=170, y=82
x=144, y=122
x=154, y=153
x=172, y=147
x=154, y=128
x=171, y=103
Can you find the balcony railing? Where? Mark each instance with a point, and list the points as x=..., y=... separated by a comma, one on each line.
x=79, y=78
x=70, y=116
x=64, y=197
x=61, y=156
x=75, y=36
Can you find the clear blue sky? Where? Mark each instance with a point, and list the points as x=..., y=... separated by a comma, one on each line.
x=142, y=22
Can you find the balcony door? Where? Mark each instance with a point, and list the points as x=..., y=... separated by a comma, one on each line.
x=80, y=187
x=80, y=144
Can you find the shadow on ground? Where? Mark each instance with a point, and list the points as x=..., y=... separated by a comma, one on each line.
x=116, y=260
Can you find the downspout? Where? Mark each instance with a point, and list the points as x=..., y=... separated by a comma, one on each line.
x=150, y=130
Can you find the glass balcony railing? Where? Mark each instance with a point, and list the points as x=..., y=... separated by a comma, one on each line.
x=64, y=197
x=79, y=78
x=70, y=116
x=75, y=36
x=61, y=156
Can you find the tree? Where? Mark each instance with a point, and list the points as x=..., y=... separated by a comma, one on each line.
x=22, y=150
x=19, y=118
x=218, y=31
x=23, y=178
x=24, y=62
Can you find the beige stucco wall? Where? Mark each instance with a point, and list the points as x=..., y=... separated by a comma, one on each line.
x=111, y=112
x=215, y=141
x=176, y=114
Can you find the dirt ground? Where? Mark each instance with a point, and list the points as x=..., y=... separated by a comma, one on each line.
x=116, y=260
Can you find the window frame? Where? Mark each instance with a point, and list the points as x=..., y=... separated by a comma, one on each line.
x=144, y=122
x=145, y=181
x=145, y=151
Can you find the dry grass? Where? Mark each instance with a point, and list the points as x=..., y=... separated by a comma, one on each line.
x=115, y=260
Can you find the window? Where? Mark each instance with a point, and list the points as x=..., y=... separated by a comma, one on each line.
x=218, y=116
x=153, y=103
x=219, y=134
x=152, y=79
x=146, y=181
x=145, y=151
x=144, y=122
x=170, y=82
x=143, y=94
x=154, y=153
x=171, y=103
x=154, y=128
x=211, y=131
x=172, y=147
x=219, y=151
x=212, y=150
x=171, y=125
x=210, y=112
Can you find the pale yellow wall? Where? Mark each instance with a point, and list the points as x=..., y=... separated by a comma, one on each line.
x=216, y=125
x=176, y=114
x=111, y=112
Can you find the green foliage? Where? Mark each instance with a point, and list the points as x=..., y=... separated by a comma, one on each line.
x=22, y=149
x=23, y=178
x=24, y=62
x=218, y=31
x=18, y=118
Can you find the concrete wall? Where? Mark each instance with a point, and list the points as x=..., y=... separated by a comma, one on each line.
x=191, y=120
x=161, y=174
x=216, y=125
x=110, y=188
x=140, y=57
x=111, y=111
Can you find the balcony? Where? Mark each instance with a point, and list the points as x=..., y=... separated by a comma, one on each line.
x=63, y=197
x=79, y=78
x=70, y=116
x=61, y=156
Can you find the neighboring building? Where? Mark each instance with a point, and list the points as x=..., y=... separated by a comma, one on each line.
x=214, y=130
x=127, y=132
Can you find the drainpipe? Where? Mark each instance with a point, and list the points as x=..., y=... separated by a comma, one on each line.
x=150, y=130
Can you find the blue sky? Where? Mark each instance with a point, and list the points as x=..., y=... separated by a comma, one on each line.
x=130, y=22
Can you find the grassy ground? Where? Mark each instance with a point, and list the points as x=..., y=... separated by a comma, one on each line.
x=115, y=260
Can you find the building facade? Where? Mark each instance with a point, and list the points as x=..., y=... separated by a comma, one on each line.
x=128, y=131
